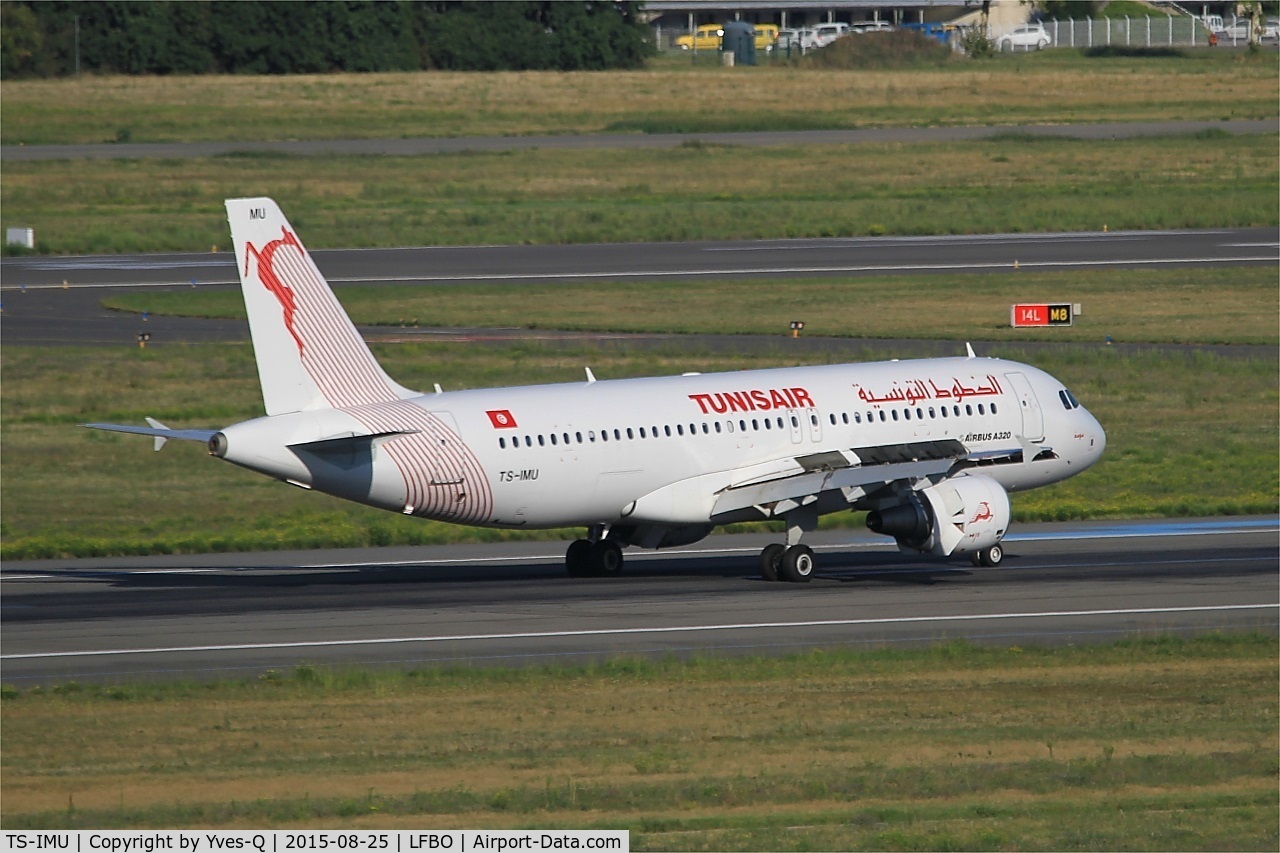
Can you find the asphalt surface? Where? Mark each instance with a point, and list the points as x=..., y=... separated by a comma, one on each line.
x=238, y=615
x=57, y=300
x=420, y=146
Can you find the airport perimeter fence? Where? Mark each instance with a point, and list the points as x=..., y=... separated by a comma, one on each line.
x=1164, y=31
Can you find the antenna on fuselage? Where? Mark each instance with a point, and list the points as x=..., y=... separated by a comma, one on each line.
x=968, y=348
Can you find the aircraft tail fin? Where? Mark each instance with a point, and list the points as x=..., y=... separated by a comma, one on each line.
x=309, y=354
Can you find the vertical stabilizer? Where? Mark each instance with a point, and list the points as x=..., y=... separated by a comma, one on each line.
x=309, y=354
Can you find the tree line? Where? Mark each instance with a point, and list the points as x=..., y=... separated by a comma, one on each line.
x=54, y=38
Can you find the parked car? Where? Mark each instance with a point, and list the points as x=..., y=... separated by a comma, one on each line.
x=1027, y=36
x=705, y=37
x=825, y=34
x=766, y=35
x=796, y=40
x=1271, y=29
x=1213, y=23
x=871, y=27
x=1237, y=30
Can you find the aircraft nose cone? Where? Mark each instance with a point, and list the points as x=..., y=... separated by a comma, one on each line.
x=1097, y=436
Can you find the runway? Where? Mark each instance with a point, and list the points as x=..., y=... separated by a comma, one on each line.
x=50, y=301
x=120, y=619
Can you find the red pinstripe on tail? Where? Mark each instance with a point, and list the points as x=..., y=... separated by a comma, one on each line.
x=309, y=354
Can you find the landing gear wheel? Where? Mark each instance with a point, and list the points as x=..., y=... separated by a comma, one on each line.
x=988, y=557
x=771, y=561
x=797, y=564
x=577, y=558
x=606, y=558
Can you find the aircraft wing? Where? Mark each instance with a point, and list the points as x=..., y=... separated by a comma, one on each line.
x=855, y=473
x=159, y=431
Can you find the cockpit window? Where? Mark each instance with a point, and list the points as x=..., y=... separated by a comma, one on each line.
x=1069, y=401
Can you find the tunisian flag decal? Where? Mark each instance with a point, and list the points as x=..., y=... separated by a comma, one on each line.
x=501, y=419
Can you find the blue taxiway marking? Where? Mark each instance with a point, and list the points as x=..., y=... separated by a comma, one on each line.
x=1155, y=528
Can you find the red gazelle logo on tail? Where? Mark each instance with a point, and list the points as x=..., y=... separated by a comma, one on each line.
x=271, y=280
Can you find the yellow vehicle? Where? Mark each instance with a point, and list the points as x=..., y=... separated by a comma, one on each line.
x=766, y=35
x=705, y=37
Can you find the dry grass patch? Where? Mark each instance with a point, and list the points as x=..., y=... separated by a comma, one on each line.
x=628, y=743
x=666, y=96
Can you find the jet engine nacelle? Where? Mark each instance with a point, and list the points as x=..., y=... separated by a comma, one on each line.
x=955, y=517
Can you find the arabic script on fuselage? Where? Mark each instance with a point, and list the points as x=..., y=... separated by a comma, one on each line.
x=913, y=391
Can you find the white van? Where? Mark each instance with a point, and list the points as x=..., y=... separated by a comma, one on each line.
x=825, y=34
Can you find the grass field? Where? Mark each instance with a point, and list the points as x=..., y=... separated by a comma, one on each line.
x=670, y=96
x=694, y=192
x=1188, y=433
x=1181, y=305
x=1155, y=744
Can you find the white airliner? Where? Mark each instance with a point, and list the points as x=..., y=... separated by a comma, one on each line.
x=930, y=447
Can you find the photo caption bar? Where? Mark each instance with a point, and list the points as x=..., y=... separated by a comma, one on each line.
x=285, y=841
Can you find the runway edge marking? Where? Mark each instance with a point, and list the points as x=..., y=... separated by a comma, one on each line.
x=674, y=629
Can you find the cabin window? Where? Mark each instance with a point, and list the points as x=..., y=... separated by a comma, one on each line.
x=845, y=417
x=906, y=414
x=993, y=408
x=541, y=441
x=895, y=414
x=667, y=430
x=968, y=409
x=955, y=410
x=642, y=434
x=742, y=426
x=679, y=429
x=707, y=430
x=630, y=434
x=755, y=425
x=982, y=409
x=502, y=443
x=717, y=427
x=883, y=416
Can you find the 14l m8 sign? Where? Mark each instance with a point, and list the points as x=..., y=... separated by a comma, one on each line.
x=1040, y=314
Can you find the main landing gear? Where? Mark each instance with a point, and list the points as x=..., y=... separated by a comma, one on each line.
x=988, y=556
x=594, y=557
x=791, y=562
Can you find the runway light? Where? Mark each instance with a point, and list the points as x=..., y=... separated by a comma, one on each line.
x=143, y=337
x=796, y=326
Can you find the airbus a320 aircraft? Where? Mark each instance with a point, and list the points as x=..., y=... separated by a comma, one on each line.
x=930, y=447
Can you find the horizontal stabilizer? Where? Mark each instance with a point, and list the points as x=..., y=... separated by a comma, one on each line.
x=159, y=431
